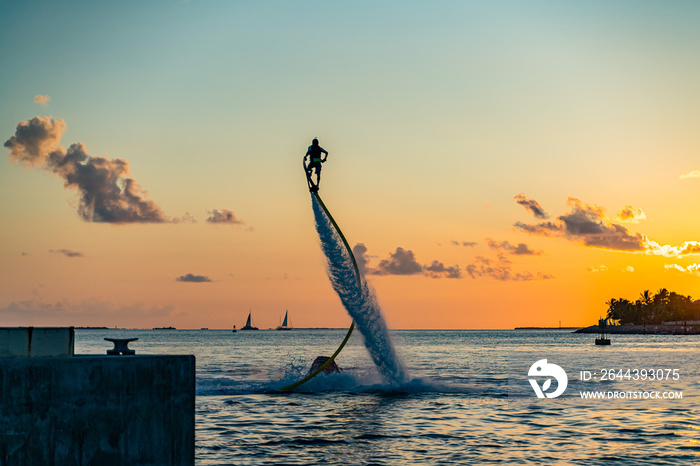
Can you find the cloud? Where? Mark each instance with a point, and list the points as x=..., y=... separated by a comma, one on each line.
x=42, y=100
x=466, y=244
x=438, y=270
x=107, y=193
x=66, y=252
x=693, y=174
x=90, y=311
x=401, y=262
x=521, y=249
x=360, y=253
x=191, y=278
x=225, y=216
x=588, y=223
x=187, y=218
x=693, y=269
x=541, y=229
x=501, y=270
x=631, y=214
x=34, y=140
x=629, y=268
x=686, y=249
x=531, y=206
x=600, y=268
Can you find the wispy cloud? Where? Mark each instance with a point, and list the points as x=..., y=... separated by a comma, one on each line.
x=192, y=278
x=66, y=252
x=531, y=206
x=186, y=218
x=107, y=193
x=686, y=249
x=502, y=270
x=631, y=214
x=224, y=216
x=600, y=268
x=541, y=229
x=89, y=311
x=693, y=174
x=693, y=269
x=42, y=100
x=521, y=249
x=466, y=244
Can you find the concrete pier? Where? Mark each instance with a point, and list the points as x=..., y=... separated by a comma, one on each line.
x=97, y=410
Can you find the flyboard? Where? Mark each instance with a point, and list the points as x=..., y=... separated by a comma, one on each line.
x=313, y=188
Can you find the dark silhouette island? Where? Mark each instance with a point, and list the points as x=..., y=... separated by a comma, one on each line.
x=661, y=313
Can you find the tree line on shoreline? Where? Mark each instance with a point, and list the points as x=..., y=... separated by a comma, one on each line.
x=650, y=308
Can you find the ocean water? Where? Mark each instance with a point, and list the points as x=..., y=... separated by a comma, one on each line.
x=467, y=398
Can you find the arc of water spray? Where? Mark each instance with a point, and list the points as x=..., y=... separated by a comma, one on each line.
x=359, y=285
x=356, y=294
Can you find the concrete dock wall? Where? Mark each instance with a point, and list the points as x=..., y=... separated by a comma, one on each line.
x=35, y=342
x=97, y=410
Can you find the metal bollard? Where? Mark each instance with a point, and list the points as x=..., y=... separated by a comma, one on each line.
x=120, y=346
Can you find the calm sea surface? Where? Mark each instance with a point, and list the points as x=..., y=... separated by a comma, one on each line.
x=467, y=399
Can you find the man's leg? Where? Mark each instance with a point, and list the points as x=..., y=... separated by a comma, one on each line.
x=318, y=174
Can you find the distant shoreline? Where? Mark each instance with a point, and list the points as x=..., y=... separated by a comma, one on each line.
x=338, y=328
x=644, y=330
x=546, y=328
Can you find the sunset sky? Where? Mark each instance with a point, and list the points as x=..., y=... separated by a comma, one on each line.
x=496, y=164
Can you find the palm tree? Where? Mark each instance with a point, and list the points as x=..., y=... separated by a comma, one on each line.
x=681, y=307
x=642, y=311
x=653, y=308
x=612, y=315
x=620, y=310
x=661, y=309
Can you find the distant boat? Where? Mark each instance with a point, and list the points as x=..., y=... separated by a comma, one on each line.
x=234, y=329
x=284, y=325
x=603, y=340
x=164, y=328
x=248, y=325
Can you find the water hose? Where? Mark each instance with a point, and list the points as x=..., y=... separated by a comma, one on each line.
x=359, y=285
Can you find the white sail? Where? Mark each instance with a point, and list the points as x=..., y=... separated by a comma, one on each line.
x=249, y=323
x=285, y=325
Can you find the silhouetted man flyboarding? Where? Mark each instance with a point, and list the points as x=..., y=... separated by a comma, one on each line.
x=315, y=161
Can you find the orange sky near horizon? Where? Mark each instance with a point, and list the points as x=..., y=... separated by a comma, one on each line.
x=483, y=153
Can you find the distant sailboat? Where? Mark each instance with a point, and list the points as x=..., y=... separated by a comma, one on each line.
x=284, y=325
x=248, y=325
